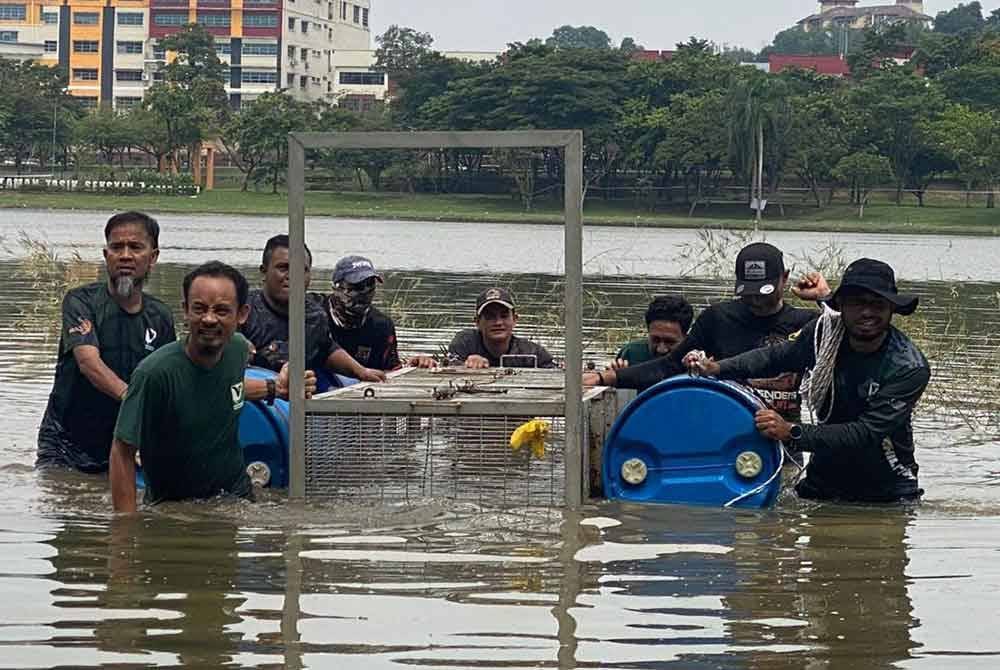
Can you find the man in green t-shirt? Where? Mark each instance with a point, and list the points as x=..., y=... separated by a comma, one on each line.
x=183, y=405
x=668, y=319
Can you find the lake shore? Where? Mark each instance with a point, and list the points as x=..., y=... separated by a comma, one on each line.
x=879, y=218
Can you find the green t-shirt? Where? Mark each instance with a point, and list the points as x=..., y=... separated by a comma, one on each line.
x=184, y=419
x=635, y=352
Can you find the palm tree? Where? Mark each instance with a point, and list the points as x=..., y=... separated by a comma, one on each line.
x=755, y=104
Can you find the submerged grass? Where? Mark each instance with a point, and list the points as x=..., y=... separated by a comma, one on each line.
x=883, y=218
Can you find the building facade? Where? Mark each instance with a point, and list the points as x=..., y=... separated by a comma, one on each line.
x=847, y=14
x=109, y=48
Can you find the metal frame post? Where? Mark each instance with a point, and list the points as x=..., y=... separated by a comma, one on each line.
x=571, y=141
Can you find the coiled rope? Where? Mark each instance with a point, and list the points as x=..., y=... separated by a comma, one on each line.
x=817, y=387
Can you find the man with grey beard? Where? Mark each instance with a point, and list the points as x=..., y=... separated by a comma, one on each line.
x=108, y=327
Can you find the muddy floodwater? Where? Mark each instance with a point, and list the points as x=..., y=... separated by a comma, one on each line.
x=442, y=585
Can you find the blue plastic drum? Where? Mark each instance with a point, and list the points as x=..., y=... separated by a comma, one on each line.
x=264, y=436
x=690, y=440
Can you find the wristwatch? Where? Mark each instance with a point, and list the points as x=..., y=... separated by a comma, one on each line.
x=795, y=432
x=272, y=391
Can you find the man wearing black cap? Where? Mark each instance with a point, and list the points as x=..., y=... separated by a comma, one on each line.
x=866, y=378
x=757, y=317
x=492, y=343
x=363, y=331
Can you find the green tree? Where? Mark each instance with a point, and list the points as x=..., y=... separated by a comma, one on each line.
x=629, y=46
x=152, y=135
x=399, y=50
x=862, y=171
x=961, y=19
x=694, y=140
x=819, y=139
x=977, y=86
x=35, y=104
x=879, y=47
x=797, y=42
x=109, y=133
x=579, y=37
x=972, y=140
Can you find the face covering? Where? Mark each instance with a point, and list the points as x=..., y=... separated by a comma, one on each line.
x=350, y=303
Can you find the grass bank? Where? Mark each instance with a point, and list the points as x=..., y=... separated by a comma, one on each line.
x=837, y=218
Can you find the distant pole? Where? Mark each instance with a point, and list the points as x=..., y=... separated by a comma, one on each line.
x=52, y=158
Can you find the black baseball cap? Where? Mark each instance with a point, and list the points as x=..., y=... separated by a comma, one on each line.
x=354, y=270
x=759, y=269
x=495, y=294
x=877, y=277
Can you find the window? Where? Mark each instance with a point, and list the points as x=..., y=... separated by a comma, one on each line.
x=223, y=48
x=260, y=49
x=258, y=2
x=305, y=27
x=128, y=75
x=85, y=74
x=213, y=20
x=158, y=75
x=88, y=101
x=50, y=18
x=130, y=19
x=357, y=14
x=127, y=102
x=85, y=46
x=303, y=81
x=315, y=81
x=359, y=104
x=364, y=17
x=8, y=36
x=343, y=11
x=159, y=53
x=129, y=47
x=304, y=54
x=13, y=13
x=260, y=20
x=51, y=46
x=257, y=77
x=85, y=18
x=291, y=79
x=362, y=78
x=175, y=19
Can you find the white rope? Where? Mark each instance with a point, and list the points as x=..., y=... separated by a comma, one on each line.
x=818, y=386
x=755, y=491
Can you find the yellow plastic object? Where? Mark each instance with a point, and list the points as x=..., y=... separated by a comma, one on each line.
x=531, y=434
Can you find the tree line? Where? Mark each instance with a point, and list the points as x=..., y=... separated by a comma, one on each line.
x=688, y=125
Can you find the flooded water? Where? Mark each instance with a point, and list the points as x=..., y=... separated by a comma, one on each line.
x=270, y=585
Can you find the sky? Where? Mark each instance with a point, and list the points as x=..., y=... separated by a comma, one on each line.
x=488, y=25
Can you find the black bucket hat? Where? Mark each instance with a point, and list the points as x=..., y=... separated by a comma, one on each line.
x=877, y=277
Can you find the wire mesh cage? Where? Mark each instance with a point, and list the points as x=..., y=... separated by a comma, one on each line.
x=446, y=434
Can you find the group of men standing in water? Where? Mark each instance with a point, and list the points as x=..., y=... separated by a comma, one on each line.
x=125, y=385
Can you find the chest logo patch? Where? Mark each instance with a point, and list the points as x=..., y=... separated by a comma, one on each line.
x=237, y=392
x=870, y=388
x=150, y=338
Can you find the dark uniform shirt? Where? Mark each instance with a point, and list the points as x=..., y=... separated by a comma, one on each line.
x=267, y=330
x=726, y=330
x=76, y=430
x=864, y=452
x=521, y=354
x=373, y=345
x=184, y=419
x=636, y=352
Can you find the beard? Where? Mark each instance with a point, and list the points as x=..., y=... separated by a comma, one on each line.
x=126, y=286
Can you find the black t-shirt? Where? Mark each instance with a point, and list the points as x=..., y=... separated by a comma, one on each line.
x=77, y=428
x=864, y=452
x=726, y=330
x=521, y=354
x=267, y=330
x=373, y=345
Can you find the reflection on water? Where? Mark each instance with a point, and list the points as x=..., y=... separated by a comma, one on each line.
x=614, y=586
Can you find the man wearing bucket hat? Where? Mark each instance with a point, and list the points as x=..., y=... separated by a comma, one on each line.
x=757, y=317
x=359, y=327
x=866, y=379
x=492, y=343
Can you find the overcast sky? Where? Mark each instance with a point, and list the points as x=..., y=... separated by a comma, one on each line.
x=488, y=25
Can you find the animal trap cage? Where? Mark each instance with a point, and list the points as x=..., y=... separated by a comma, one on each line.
x=446, y=434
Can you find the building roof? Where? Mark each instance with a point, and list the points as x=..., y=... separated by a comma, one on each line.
x=829, y=65
x=895, y=11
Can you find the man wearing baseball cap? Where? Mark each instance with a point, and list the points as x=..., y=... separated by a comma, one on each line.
x=359, y=327
x=866, y=380
x=758, y=316
x=492, y=343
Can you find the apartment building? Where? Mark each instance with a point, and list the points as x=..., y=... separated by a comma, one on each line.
x=109, y=47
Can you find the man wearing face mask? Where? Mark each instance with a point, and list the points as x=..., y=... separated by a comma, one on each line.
x=108, y=327
x=363, y=331
x=757, y=317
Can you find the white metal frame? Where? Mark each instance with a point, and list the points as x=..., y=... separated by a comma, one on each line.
x=571, y=141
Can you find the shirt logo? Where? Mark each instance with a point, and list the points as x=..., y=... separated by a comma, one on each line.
x=870, y=388
x=150, y=338
x=237, y=392
x=493, y=294
x=364, y=353
x=755, y=270
x=82, y=328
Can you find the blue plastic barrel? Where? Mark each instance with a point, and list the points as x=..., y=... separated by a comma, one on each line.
x=690, y=440
x=264, y=434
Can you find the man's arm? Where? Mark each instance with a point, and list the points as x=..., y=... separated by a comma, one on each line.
x=122, y=474
x=773, y=360
x=888, y=410
x=644, y=375
x=79, y=335
x=342, y=362
x=88, y=359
